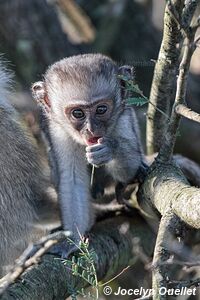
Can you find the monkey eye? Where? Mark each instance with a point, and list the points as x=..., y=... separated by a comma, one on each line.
x=101, y=109
x=78, y=113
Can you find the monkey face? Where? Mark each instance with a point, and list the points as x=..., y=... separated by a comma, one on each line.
x=90, y=121
x=83, y=95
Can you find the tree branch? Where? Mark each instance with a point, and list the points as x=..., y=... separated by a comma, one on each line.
x=186, y=112
x=167, y=190
x=162, y=254
x=112, y=241
x=164, y=77
x=167, y=147
x=178, y=16
x=165, y=187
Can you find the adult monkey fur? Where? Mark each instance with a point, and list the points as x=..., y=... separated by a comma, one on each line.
x=24, y=200
x=86, y=121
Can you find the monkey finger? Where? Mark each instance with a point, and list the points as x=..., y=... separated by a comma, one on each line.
x=108, y=142
x=101, y=140
x=103, y=152
x=99, y=160
x=104, y=140
x=94, y=148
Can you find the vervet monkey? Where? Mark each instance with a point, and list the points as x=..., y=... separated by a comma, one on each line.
x=87, y=122
x=23, y=186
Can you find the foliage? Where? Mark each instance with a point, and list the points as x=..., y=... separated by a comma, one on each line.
x=83, y=266
x=132, y=88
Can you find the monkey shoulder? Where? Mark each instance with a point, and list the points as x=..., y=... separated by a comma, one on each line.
x=126, y=123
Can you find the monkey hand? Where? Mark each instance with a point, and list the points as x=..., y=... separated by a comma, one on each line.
x=101, y=153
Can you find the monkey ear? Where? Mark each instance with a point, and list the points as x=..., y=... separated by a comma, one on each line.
x=125, y=73
x=40, y=95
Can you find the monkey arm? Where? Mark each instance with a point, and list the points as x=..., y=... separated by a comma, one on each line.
x=73, y=183
x=127, y=154
x=124, y=166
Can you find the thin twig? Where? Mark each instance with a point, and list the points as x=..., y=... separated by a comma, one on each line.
x=187, y=14
x=92, y=175
x=186, y=112
x=182, y=284
x=30, y=257
x=188, y=264
x=105, y=283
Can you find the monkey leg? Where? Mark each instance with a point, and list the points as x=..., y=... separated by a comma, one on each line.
x=119, y=192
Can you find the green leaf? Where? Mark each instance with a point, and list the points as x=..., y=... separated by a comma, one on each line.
x=135, y=88
x=138, y=101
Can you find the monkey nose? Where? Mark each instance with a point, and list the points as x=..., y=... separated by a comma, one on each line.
x=90, y=129
x=90, y=132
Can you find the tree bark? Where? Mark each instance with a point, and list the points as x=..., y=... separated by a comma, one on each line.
x=164, y=79
x=166, y=187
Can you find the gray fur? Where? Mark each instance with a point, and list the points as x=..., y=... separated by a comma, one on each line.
x=84, y=79
x=73, y=185
x=22, y=184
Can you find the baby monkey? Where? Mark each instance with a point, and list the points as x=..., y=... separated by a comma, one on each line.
x=86, y=122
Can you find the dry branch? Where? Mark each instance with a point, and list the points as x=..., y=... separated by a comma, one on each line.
x=164, y=77
x=186, y=112
x=162, y=253
x=190, y=168
x=165, y=187
x=169, y=139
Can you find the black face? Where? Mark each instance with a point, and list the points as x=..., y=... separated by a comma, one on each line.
x=90, y=120
x=81, y=113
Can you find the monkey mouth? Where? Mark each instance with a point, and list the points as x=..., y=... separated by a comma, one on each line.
x=93, y=140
